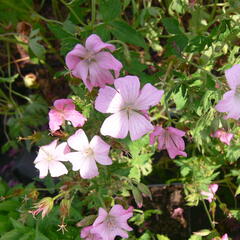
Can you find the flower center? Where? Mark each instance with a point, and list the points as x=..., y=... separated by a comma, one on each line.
x=88, y=152
x=237, y=91
x=111, y=222
x=89, y=57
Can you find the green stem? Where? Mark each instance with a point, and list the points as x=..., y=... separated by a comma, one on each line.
x=208, y=214
x=93, y=12
x=73, y=12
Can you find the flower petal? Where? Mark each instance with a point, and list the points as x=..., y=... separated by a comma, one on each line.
x=78, y=141
x=138, y=125
x=99, y=146
x=157, y=131
x=98, y=76
x=61, y=151
x=115, y=125
x=94, y=44
x=55, y=120
x=57, y=168
x=76, y=159
x=233, y=76
x=128, y=87
x=88, y=168
x=72, y=58
x=175, y=131
x=108, y=100
x=102, y=214
x=230, y=103
x=43, y=168
x=64, y=104
x=81, y=70
x=106, y=61
x=76, y=118
x=149, y=96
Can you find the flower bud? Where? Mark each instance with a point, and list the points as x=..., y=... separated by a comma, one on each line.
x=44, y=206
x=65, y=207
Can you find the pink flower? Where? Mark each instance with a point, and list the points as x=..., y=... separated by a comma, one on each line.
x=112, y=224
x=88, y=235
x=91, y=64
x=49, y=157
x=212, y=190
x=224, y=237
x=231, y=99
x=223, y=136
x=64, y=109
x=87, y=154
x=129, y=105
x=170, y=139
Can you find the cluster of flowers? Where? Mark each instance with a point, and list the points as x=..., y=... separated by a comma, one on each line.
x=128, y=106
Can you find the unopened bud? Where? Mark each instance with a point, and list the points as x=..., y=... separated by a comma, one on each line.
x=65, y=207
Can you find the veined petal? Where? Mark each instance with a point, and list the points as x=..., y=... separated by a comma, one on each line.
x=61, y=150
x=149, y=96
x=98, y=76
x=107, y=61
x=115, y=125
x=156, y=132
x=76, y=118
x=233, y=76
x=76, y=159
x=230, y=103
x=94, y=44
x=88, y=168
x=81, y=70
x=64, y=104
x=102, y=214
x=78, y=141
x=55, y=120
x=138, y=125
x=108, y=100
x=128, y=87
x=57, y=169
x=99, y=146
x=43, y=168
x=175, y=131
x=72, y=58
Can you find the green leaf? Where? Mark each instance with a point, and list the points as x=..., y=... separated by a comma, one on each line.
x=162, y=237
x=9, y=205
x=144, y=189
x=171, y=25
x=137, y=196
x=40, y=236
x=5, y=224
x=38, y=50
x=110, y=9
x=237, y=191
x=122, y=31
x=9, y=79
x=12, y=235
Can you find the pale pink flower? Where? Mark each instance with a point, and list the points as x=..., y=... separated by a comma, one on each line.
x=49, y=158
x=223, y=136
x=87, y=154
x=129, y=106
x=231, y=99
x=210, y=194
x=88, y=235
x=64, y=109
x=91, y=64
x=170, y=139
x=112, y=224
